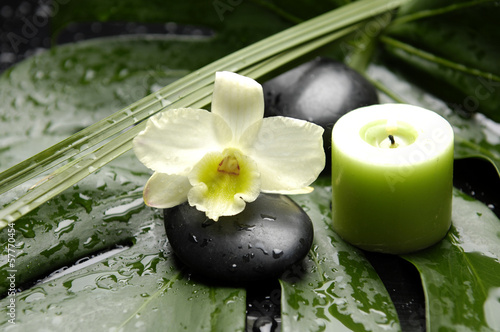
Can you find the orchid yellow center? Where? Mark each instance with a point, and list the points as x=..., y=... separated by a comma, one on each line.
x=224, y=182
x=225, y=174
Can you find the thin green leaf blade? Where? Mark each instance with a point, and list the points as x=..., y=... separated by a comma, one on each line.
x=461, y=274
x=335, y=288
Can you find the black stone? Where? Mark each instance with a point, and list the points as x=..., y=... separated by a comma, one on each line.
x=271, y=234
x=319, y=91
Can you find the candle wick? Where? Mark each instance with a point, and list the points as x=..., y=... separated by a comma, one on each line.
x=392, y=139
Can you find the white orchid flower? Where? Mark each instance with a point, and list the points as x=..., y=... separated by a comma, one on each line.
x=220, y=160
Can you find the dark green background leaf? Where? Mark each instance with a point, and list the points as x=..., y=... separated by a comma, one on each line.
x=236, y=24
x=456, y=47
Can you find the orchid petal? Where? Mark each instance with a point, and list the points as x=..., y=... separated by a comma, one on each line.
x=166, y=191
x=300, y=191
x=223, y=183
x=175, y=140
x=289, y=154
x=239, y=100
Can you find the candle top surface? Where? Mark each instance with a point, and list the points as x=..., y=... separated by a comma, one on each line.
x=392, y=134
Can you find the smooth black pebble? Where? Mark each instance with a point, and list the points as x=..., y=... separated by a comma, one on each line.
x=271, y=234
x=319, y=91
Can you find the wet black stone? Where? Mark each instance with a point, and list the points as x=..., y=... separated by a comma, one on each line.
x=319, y=91
x=271, y=234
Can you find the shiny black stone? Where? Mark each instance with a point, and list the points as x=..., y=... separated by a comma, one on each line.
x=319, y=91
x=271, y=234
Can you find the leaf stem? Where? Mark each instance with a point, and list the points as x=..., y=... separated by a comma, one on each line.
x=385, y=90
x=433, y=58
x=279, y=11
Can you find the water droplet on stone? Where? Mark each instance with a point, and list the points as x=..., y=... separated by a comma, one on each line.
x=277, y=253
x=244, y=227
x=193, y=238
x=268, y=217
x=264, y=324
x=262, y=248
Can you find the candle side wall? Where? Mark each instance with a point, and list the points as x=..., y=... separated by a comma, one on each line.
x=394, y=209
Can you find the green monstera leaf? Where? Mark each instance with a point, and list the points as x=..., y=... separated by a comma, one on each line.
x=90, y=255
x=125, y=277
x=466, y=262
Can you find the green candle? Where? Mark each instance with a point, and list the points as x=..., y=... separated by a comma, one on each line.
x=392, y=173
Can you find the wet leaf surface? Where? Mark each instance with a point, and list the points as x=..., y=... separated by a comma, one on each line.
x=460, y=275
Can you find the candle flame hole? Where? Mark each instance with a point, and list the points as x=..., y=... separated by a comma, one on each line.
x=388, y=134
